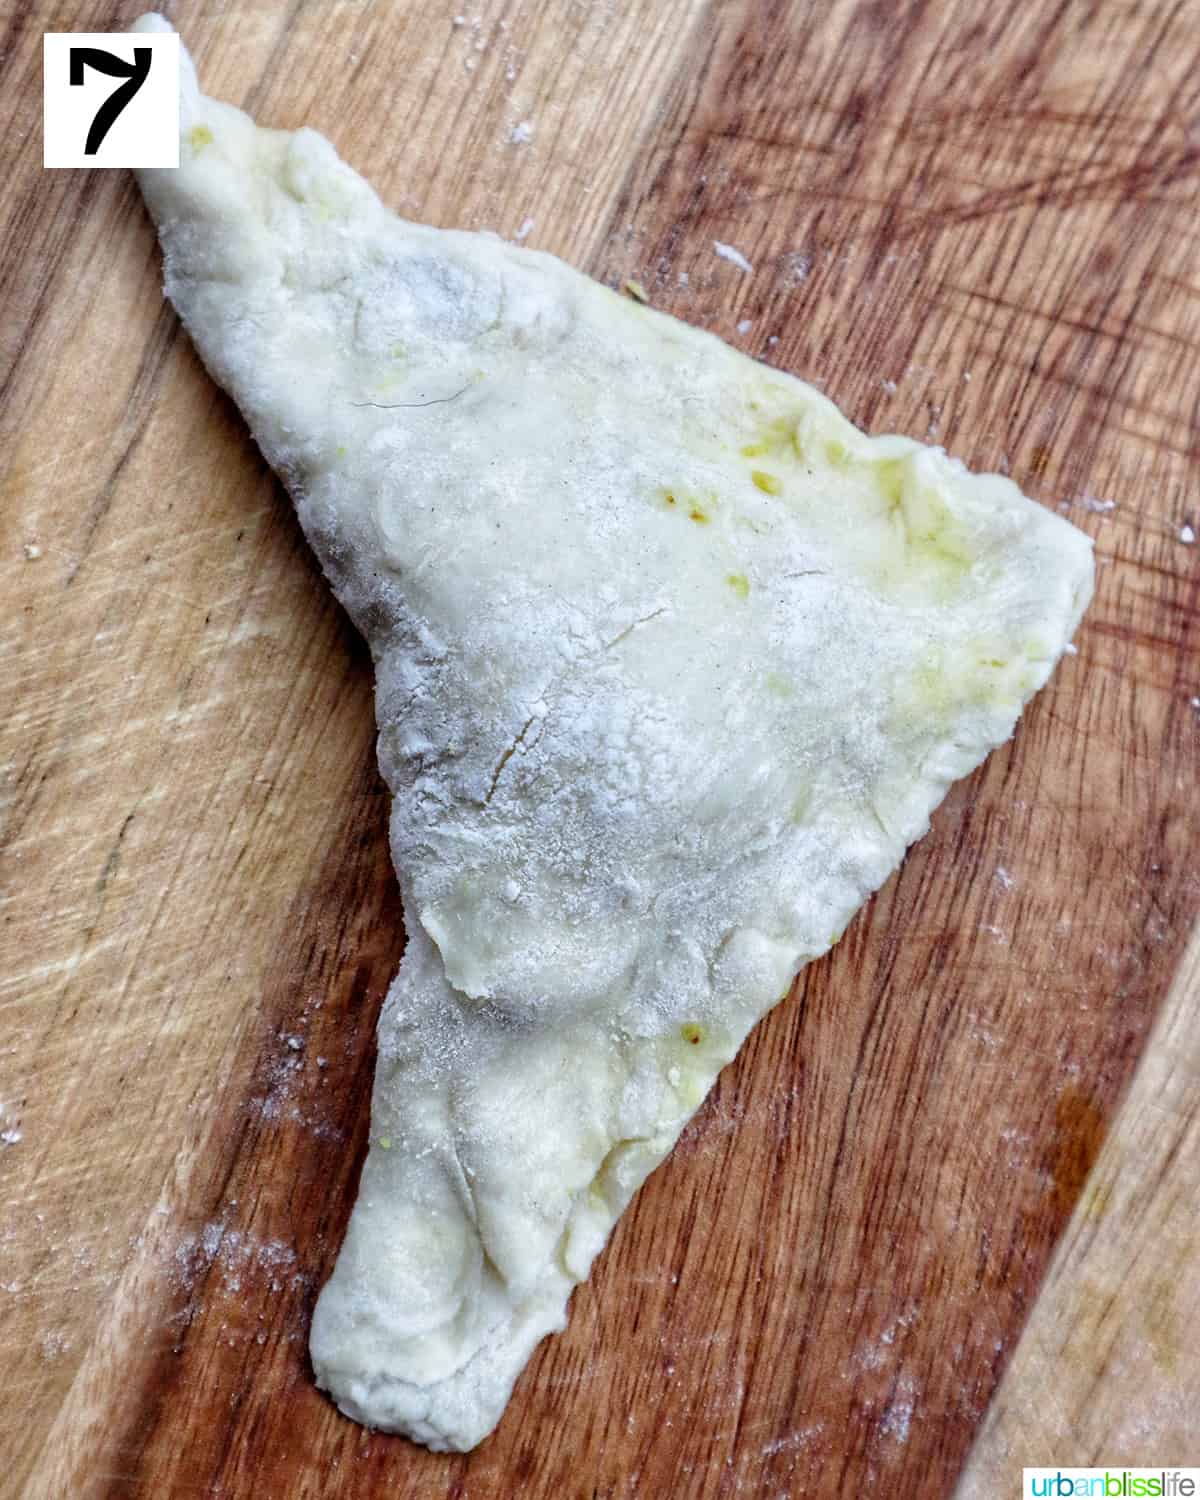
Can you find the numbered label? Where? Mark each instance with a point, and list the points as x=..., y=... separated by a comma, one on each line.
x=111, y=99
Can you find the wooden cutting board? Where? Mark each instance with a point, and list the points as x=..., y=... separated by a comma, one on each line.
x=968, y=222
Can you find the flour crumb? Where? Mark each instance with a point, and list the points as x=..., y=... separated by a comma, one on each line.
x=1004, y=879
x=773, y=340
x=897, y=1417
x=525, y=230
x=11, y=1136
x=733, y=255
x=1187, y=536
x=54, y=1346
x=1097, y=507
x=235, y=1253
x=522, y=133
x=682, y=278
x=794, y=1442
x=797, y=265
x=889, y=386
x=32, y=551
x=745, y=325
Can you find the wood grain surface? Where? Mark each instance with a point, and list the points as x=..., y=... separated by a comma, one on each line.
x=1107, y=1363
x=967, y=222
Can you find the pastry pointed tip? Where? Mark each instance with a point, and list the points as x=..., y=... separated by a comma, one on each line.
x=151, y=23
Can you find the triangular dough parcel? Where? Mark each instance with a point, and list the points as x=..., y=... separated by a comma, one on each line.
x=673, y=665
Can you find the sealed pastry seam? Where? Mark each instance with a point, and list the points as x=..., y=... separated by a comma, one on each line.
x=672, y=665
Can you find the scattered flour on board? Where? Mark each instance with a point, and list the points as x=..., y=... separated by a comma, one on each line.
x=236, y=1254
x=64, y=1262
x=745, y=325
x=796, y=267
x=524, y=231
x=732, y=255
x=285, y=1088
x=521, y=133
x=54, y=1345
x=478, y=36
x=897, y=1415
x=904, y=1321
x=1004, y=879
x=10, y=1135
x=873, y=1356
x=794, y=1442
x=1187, y=535
x=1019, y=1146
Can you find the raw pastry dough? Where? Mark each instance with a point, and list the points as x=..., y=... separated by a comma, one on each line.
x=673, y=664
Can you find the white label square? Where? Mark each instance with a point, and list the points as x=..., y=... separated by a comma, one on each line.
x=111, y=99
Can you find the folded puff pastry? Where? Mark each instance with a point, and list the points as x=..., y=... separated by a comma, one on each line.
x=673, y=664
